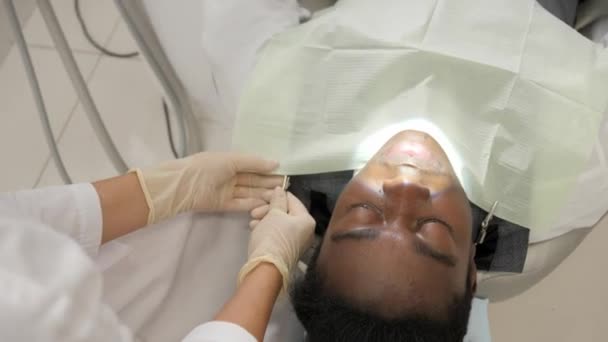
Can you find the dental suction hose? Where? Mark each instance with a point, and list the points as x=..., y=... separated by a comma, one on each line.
x=13, y=20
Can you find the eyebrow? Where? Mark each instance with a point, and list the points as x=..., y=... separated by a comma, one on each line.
x=424, y=249
x=420, y=247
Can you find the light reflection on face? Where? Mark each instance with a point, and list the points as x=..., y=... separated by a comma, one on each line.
x=400, y=235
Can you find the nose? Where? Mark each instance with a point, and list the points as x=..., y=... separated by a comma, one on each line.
x=404, y=200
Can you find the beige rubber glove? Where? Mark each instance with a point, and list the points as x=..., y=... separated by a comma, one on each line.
x=281, y=236
x=205, y=182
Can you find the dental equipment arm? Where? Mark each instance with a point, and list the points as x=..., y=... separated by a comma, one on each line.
x=203, y=182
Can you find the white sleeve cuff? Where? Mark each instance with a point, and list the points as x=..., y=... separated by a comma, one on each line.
x=217, y=331
x=91, y=221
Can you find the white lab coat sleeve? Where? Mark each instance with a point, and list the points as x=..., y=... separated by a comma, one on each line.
x=50, y=290
x=73, y=210
x=217, y=331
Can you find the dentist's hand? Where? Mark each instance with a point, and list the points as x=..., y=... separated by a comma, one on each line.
x=207, y=182
x=281, y=237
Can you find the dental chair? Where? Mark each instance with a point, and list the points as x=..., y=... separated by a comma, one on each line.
x=592, y=20
x=142, y=17
x=546, y=256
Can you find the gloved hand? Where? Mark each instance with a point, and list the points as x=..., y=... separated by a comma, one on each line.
x=207, y=181
x=281, y=237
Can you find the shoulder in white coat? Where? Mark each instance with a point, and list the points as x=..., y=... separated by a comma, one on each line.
x=72, y=210
x=50, y=290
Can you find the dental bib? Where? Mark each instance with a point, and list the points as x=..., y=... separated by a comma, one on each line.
x=514, y=96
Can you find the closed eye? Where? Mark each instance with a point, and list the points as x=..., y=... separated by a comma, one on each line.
x=421, y=222
x=367, y=206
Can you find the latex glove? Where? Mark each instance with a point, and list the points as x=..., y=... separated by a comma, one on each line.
x=281, y=237
x=205, y=182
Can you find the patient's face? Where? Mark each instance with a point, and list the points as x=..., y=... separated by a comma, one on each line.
x=400, y=234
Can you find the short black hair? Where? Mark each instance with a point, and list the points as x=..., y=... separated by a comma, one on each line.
x=328, y=317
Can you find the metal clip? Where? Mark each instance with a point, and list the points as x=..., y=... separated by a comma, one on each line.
x=485, y=224
x=285, y=183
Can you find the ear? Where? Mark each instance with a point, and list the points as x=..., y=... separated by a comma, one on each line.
x=473, y=269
